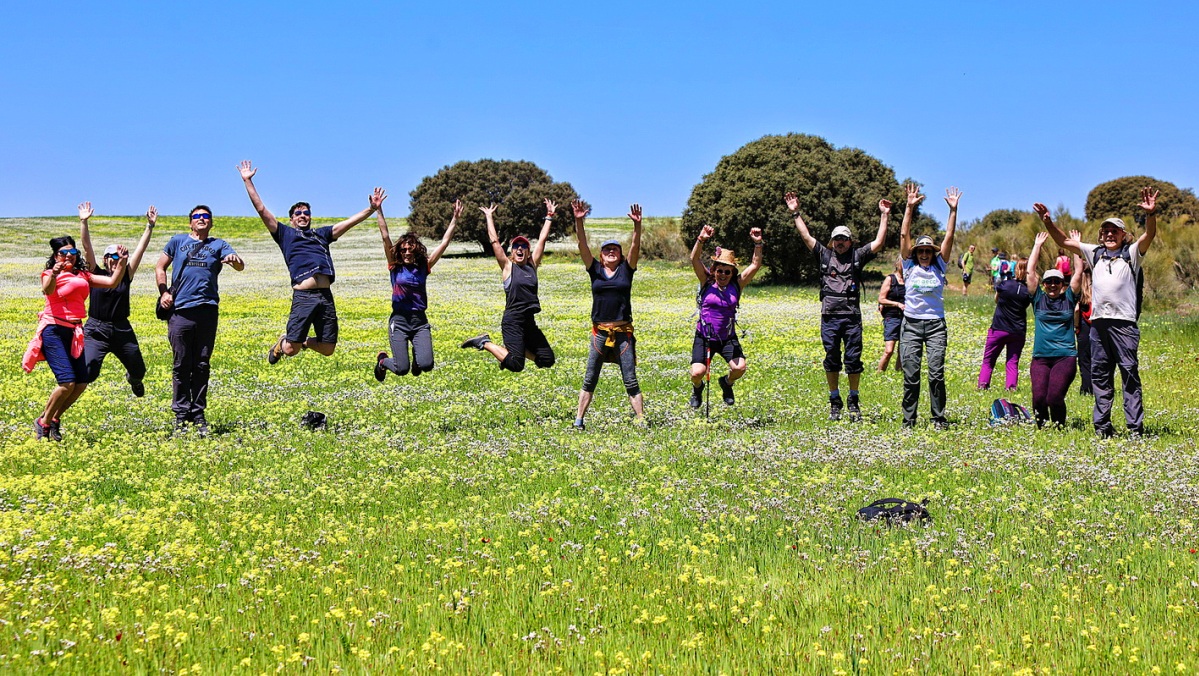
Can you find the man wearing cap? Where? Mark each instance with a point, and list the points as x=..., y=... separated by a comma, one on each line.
x=306, y=253
x=1115, y=264
x=840, y=294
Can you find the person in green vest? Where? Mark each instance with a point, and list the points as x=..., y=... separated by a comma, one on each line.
x=966, y=263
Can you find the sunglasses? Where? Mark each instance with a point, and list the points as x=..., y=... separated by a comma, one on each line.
x=840, y=238
x=1054, y=282
x=520, y=245
x=301, y=212
x=68, y=252
x=196, y=217
x=113, y=256
x=723, y=271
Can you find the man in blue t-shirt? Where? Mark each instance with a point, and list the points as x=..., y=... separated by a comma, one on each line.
x=306, y=253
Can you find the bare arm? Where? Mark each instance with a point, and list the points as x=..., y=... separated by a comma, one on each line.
x=435, y=254
x=914, y=198
x=50, y=281
x=1076, y=277
x=1149, y=204
x=884, y=290
x=884, y=207
x=496, y=247
x=234, y=261
x=85, y=237
x=160, y=278
x=388, y=247
x=697, y=252
x=1058, y=235
x=635, y=247
x=135, y=259
x=544, y=236
x=1031, y=278
x=110, y=281
x=755, y=264
x=375, y=200
x=952, y=195
x=793, y=204
x=247, y=172
x=581, y=209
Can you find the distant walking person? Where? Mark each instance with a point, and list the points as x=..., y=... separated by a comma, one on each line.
x=1054, y=357
x=409, y=264
x=924, y=310
x=1009, y=329
x=108, y=328
x=306, y=254
x=523, y=339
x=612, y=337
x=966, y=263
x=890, y=305
x=718, y=298
x=1115, y=264
x=841, y=268
x=59, y=338
x=194, y=297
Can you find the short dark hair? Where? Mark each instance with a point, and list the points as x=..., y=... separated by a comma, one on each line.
x=292, y=211
x=199, y=207
x=58, y=243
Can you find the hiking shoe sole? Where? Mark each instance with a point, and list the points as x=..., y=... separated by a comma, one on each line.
x=477, y=342
x=380, y=369
x=40, y=430
x=275, y=353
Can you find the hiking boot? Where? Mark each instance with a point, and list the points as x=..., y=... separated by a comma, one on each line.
x=275, y=353
x=940, y=425
x=1105, y=432
x=201, y=426
x=380, y=369
x=55, y=430
x=40, y=430
x=578, y=426
x=855, y=413
x=138, y=387
x=726, y=391
x=477, y=342
x=834, y=408
x=697, y=396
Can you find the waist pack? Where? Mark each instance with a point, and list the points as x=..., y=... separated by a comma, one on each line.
x=1004, y=412
x=894, y=510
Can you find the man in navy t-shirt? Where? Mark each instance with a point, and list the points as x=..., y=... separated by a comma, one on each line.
x=306, y=253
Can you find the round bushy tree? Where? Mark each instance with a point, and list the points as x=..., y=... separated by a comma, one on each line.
x=1121, y=196
x=520, y=188
x=835, y=186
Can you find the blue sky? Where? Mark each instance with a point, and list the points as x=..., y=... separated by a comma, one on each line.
x=132, y=103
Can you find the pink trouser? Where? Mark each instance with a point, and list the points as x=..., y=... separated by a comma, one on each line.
x=996, y=342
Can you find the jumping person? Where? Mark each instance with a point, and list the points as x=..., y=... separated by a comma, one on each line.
x=890, y=306
x=716, y=331
x=612, y=337
x=59, y=338
x=1054, y=357
x=107, y=328
x=924, y=309
x=195, y=299
x=408, y=265
x=840, y=302
x=1009, y=329
x=306, y=254
x=966, y=263
x=518, y=270
x=1115, y=336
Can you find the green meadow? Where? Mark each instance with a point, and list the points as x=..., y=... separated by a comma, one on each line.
x=453, y=522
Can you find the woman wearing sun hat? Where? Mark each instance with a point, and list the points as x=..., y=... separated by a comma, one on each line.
x=924, y=309
x=518, y=268
x=1054, y=356
x=718, y=298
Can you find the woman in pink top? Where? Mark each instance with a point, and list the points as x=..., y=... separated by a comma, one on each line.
x=66, y=284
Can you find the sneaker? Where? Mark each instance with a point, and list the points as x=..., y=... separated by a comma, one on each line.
x=55, y=430
x=40, y=430
x=940, y=425
x=138, y=387
x=855, y=413
x=201, y=426
x=578, y=426
x=834, y=408
x=1105, y=432
x=275, y=353
x=477, y=342
x=726, y=390
x=380, y=370
x=697, y=396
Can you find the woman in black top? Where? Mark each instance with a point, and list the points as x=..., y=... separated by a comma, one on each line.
x=522, y=337
x=611, y=311
x=890, y=305
x=108, y=329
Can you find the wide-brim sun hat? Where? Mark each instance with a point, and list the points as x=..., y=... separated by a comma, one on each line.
x=922, y=242
x=724, y=257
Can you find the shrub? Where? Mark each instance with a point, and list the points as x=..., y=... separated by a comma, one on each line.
x=662, y=240
x=1121, y=196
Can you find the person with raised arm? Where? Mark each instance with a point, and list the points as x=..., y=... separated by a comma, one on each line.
x=1115, y=264
x=841, y=268
x=518, y=271
x=108, y=328
x=408, y=265
x=310, y=265
x=1054, y=357
x=194, y=300
x=924, y=324
x=718, y=298
x=1008, y=330
x=612, y=337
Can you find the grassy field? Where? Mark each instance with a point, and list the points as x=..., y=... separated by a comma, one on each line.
x=452, y=522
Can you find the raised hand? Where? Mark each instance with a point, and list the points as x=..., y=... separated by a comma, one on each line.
x=58, y=266
x=706, y=232
x=550, y=207
x=914, y=197
x=1148, y=199
x=792, y=201
x=1041, y=237
x=246, y=170
x=489, y=210
x=123, y=251
x=635, y=214
x=580, y=208
x=952, y=195
x=884, y=206
x=1042, y=211
x=376, y=198
x=458, y=206
x=152, y=215
x=1076, y=235
x=755, y=235
x=85, y=211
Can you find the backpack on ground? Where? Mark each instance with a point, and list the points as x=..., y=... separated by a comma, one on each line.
x=894, y=510
x=1125, y=253
x=1004, y=412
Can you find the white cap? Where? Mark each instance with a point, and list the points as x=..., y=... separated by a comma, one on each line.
x=842, y=231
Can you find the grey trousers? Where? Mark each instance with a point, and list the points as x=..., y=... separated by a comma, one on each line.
x=915, y=335
x=1114, y=343
x=409, y=332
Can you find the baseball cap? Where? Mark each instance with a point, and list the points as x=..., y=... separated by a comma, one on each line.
x=1116, y=222
x=520, y=238
x=611, y=242
x=1052, y=273
x=842, y=231
x=110, y=250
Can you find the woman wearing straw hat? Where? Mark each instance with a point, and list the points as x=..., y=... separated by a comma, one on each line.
x=718, y=298
x=924, y=309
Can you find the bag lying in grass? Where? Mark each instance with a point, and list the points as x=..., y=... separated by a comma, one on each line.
x=894, y=510
x=1004, y=412
x=314, y=420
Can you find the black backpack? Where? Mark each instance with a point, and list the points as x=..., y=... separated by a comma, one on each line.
x=894, y=510
x=1125, y=253
x=856, y=267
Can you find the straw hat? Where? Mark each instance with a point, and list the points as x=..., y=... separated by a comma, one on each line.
x=724, y=257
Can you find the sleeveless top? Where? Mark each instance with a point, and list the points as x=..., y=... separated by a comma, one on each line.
x=520, y=291
x=110, y=305
x=895, y=294
x=718, y=310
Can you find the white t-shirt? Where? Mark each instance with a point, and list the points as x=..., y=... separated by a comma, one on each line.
x=1113, y=282
x=925, y=295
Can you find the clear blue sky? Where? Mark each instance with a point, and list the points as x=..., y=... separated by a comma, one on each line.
x=128, y=103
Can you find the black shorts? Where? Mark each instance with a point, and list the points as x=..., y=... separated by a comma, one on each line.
x=891, y=327
x=312, y=308
x=966, y=277
x=729, y=349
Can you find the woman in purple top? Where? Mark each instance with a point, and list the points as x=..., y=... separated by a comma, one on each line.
x=409, y=263
x=1009, y=328
x=718, y=298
